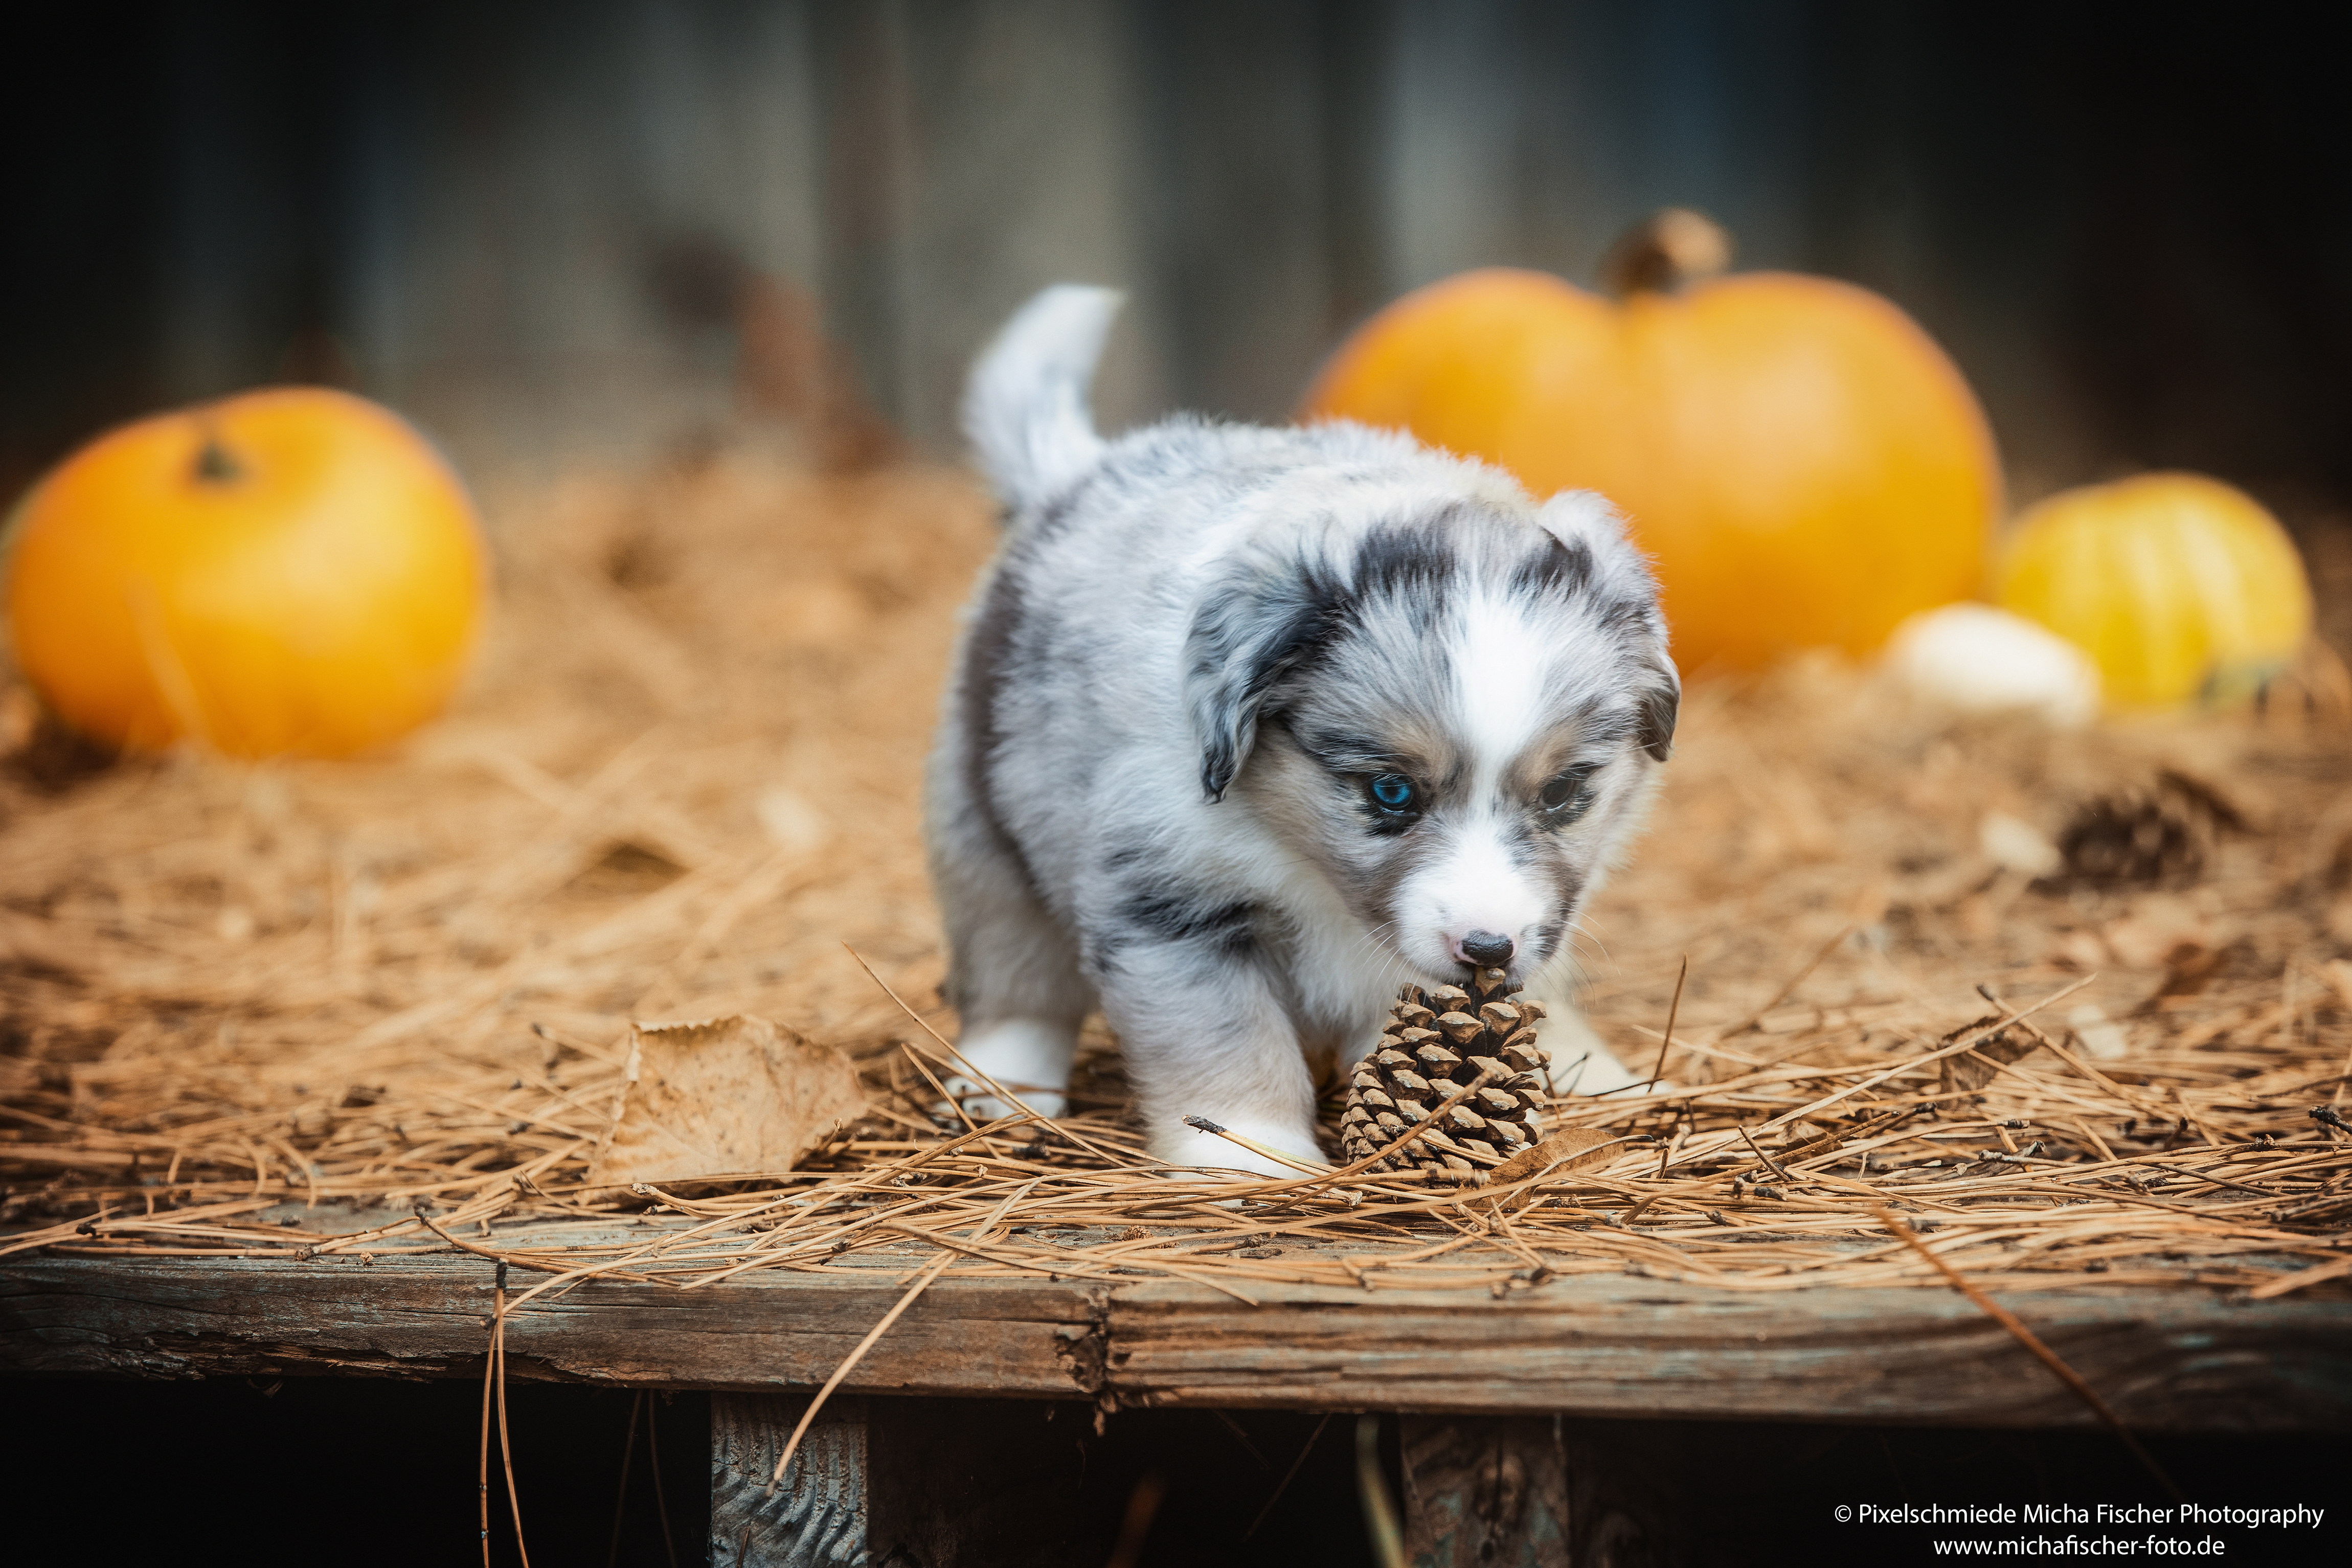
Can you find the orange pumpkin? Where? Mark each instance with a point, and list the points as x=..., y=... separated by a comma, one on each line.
x=290, y=570
x=2179, y=587
x=1803, y=463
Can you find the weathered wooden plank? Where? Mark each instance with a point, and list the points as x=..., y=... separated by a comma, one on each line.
x=2177, y=1360
x=818, y=1515
x=909, y=1483
x=1610, y=1346
x=429, y=1316
x=1485, y=1491
x=1520, y=1492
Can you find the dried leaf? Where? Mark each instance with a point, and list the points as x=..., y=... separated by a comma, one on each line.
x=1981, y=1063
x=722, y=1097
x=1570, y=1149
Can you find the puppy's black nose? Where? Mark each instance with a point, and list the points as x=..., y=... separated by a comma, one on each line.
x=1487, y=950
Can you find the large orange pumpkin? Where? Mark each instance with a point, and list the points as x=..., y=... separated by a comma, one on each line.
x=1806, y=467
x=290, y=570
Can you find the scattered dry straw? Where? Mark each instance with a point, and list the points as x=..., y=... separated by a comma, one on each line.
x=268, y=1012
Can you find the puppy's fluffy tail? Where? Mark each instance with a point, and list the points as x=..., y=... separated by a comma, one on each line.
x=1025, y=408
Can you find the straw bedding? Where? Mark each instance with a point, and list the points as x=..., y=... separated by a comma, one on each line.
x=380, y=1006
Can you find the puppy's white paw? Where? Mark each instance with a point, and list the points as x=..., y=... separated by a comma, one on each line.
x=1183, y=1146
x=1580, y=1063
x=981, y=1104
x=1029, y=1058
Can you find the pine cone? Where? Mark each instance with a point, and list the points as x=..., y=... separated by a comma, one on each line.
x=2159, y=834
x=1436, y=1044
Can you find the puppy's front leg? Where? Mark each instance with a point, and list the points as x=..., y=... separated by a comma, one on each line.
x=1205, y=1035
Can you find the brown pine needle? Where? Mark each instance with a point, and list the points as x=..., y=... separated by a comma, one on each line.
x=661, y=1496
x=1767, y=1159
x=1408, y=1137
x=482, y=1474
x=1966, y=1042
x=621, y=1491
x=1787, y=990
x=1287, y=1476
x=1380, y=1523
x=849, y=1363
x=954, y=1102
x=874, y=1334
x=2031, y=1341
x=506, y=1453
x=1002, y=1093
x=1202, y=1123
x=1674, y=1011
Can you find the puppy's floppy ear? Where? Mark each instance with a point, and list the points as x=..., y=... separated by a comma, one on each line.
x=1584, y=520
x=1257, y=625
x=1659, y=704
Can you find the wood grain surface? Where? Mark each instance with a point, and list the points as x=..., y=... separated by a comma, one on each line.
x=2167, y=1360
x=818, y=1513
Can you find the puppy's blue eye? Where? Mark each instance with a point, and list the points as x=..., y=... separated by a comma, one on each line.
x=1568, y=796
x=1392, y=792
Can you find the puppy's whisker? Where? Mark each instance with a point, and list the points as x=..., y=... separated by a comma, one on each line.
x=1370, y=941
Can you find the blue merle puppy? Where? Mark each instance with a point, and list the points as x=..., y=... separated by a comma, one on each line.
x=1250, y=726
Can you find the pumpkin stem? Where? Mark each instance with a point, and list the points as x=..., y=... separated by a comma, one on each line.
x=1670, y=247
x=214, y=464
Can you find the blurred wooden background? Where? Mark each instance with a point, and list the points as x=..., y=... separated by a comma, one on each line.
x=518, y=221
